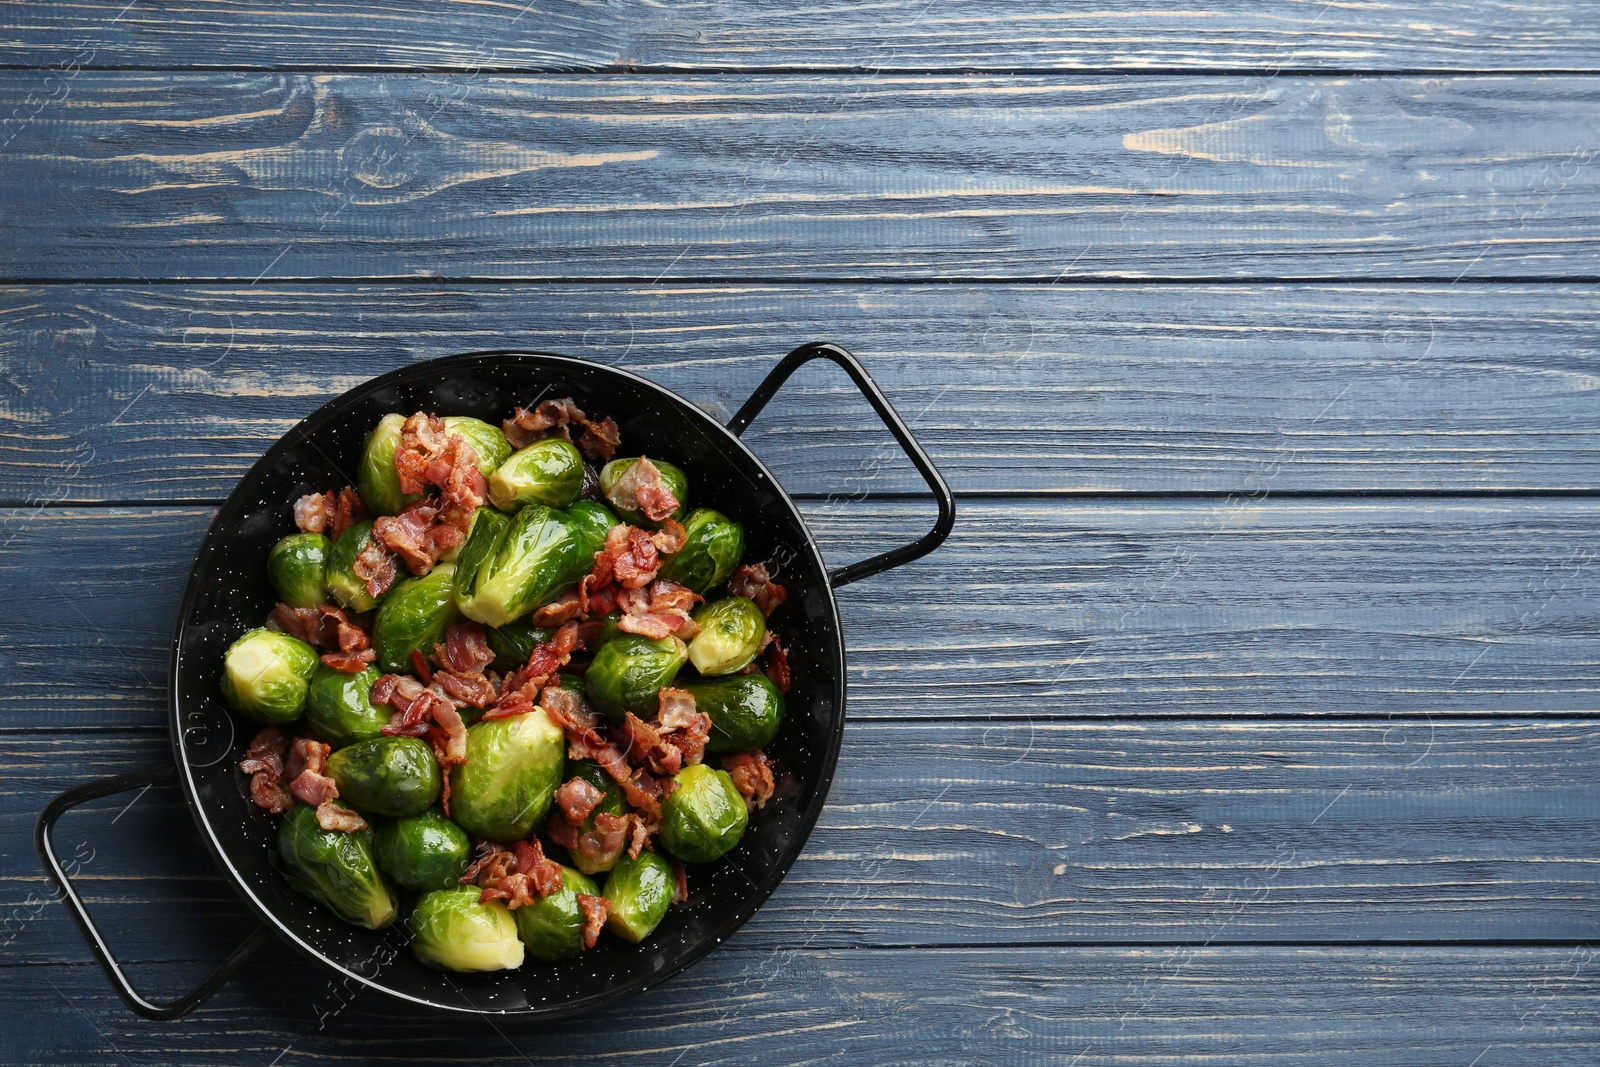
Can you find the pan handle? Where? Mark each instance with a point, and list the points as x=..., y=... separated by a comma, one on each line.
x=880, y=403
x=102, y=953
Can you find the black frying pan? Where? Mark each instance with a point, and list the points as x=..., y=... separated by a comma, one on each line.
x=227, y=593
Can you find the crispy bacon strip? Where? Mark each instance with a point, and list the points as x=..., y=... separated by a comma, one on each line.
x=323, y=626
x=473, y=689
x=577, y=798
x=602, y=845
x=419, y=665
x=641, y=789
x=752, y=580
x=568, y=711
x=752, y=777
x=641, y=488
x=312, y=512
x=519, y=875
x=595, y=912
x=348, y=509
x=350, y=662
x=417, y=535
x=303, y=772
x=521, y=687
x=563, y=609
x=331, y=816
x=661, y=610
x=465, y=649
x=597, y=440
x=263, y=762
x=375, y=566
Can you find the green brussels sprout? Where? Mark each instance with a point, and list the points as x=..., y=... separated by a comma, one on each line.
x=611, y=803
x=552, y=929
x=423, y=851
x=704, y=817
x=731, y=632
x=538, y=557
x=265, y=675
x=712, y=546
x=414, y=617
x=513, y=769
x=628, y=671
x=342, y=583
x=745, y=710
x=672, y=477
x=451, y=930
x=483, y=538
x=298, y=567
x=486, y=440
x=335, y=869
x=376, y=479
x=339, y=707
x=394, y=776
x=639, y=893
x=548, y=472
x=514, y=642
x=594, y=520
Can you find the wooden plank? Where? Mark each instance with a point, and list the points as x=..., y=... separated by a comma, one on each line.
x=1044, y=833
x=177, y=390
x=916, y=35
x=228, y=176
x=1251, y=1007
x=1139, y=609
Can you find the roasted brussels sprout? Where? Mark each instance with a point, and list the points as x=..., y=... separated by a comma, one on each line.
x=745, y=710
x=548, y=472
x=611, y=803
x=639, y=893
x=731, y=632
x=487, y=441
x=422, y=852
x=451, y=930
x=513, y=643
x=339, y=709
x=712, y=547
x=483, y=539
x=298, y=567
x=628, y=671
x=376, y=478
x=593, y=520
x=672, y=477
x=513, y=768
x=265, y=675
x=335, y=869
x=537, y=558
x=704, y=817
x=394, y=776
x=342, y=583
x=414, y=617
x=552, y=929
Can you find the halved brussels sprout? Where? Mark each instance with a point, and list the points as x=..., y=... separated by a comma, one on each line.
x=339, y=708
x=704, y=817
x=712, y=546
x=423, y=852
x=672, y=477
x=392, y=776
x=376, y=478
x=628, y=671
x=265, y=675
x=611, y=803
x=534, y=561
x=552, y=929
x=488, y=441
x=639, y=893
x=513, y=769
x=593, y=520
x=414, y=616
x=483, y=540
x=298, y=567
x=731, y=632
x=335, y=869
x=342, y=583
x=451, y=930
x=514, y=642
x=745, y=710
x=548, y=472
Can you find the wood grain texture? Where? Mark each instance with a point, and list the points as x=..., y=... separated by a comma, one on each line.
x=1042, y=833
x=1093, y=609
x=174, y=391
x=899, y=34
x=229, y=176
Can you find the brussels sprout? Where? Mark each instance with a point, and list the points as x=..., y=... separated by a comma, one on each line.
x=392, y=776
x=339, y=709
x=335, y=869
x=672, y=477
x=628, y=671
x=639, y=893
x=376, y=478
x=486, y=440
x=513, y=768
x=342, y=582
x=611, y=803
x=552, y=929
x=298, y=567
x=536, y=559
x=483, y=539
x=711, y=549
x=452, y=931
x=594, y=520
x=414, y=616
x=265, y=675
x=731, y=632
x=513, y=643
x=423, y=851
x=745, y=710
x=548, y=472
x=704, y=817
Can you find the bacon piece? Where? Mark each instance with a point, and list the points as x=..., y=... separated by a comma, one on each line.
x=331, y=816
x=641, y=489
x=375, y=566
x=680, y=883
x=639, y=788
x=521, y=687
x=472, y=689
x=306, y=755
x=595, y=912
x=631, y=558
x=350, y=662
x=663, y=609
x=462, y=486
x=419, y=666
x=314, y=789
x=752, y=777
x=312, y=511
x=263, y=762
x=422, y=439
x=519, y=875
x=602, y=845
x=597, y=440
x=563, y=609
x=544, y=873
x=323, y=626
x=577, y=798
x=465, y=649
x=670, y=537
x=752, y=580
x=777, y=666
x=643, y=830
x=449, y=737
x=567, y=710
x=348, y=509
x=416, y=535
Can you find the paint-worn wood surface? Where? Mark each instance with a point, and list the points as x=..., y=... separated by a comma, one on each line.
x=1249, y=715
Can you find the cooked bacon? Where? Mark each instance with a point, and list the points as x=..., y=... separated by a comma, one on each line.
x=661, y=610
x=416, y=535
x=323, y=626
x=677, y=710
x=348, y=509
x=311, y=512
x=641, y=489
x=639, y=788
x=567, y=710
x=419, y=666
x=521, y=687
x=595, y=912
x=455, y=471
x=752, y=580
x=544, y=873
x=422, y=440
x=655, y=627
x=643, y=829
x=777, y=664
x=396, y=690
x=314, y=789
x=674, y=739
x=752, y=777
x=306, y=755
x=629, y=558
x=375, y=566
x=331, y=816
x=637, y=736
x=473, y=689
x=602, y=845
x=670, y=537
x=465, y=649
x=598, y=440
x=563, y=609
x=263, y=761
x=350, y=662
x=449, y=737
x=577, y=798
x=680, y=883
x=519, y=875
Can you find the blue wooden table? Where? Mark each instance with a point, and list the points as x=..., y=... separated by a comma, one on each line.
x=1251, y=714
